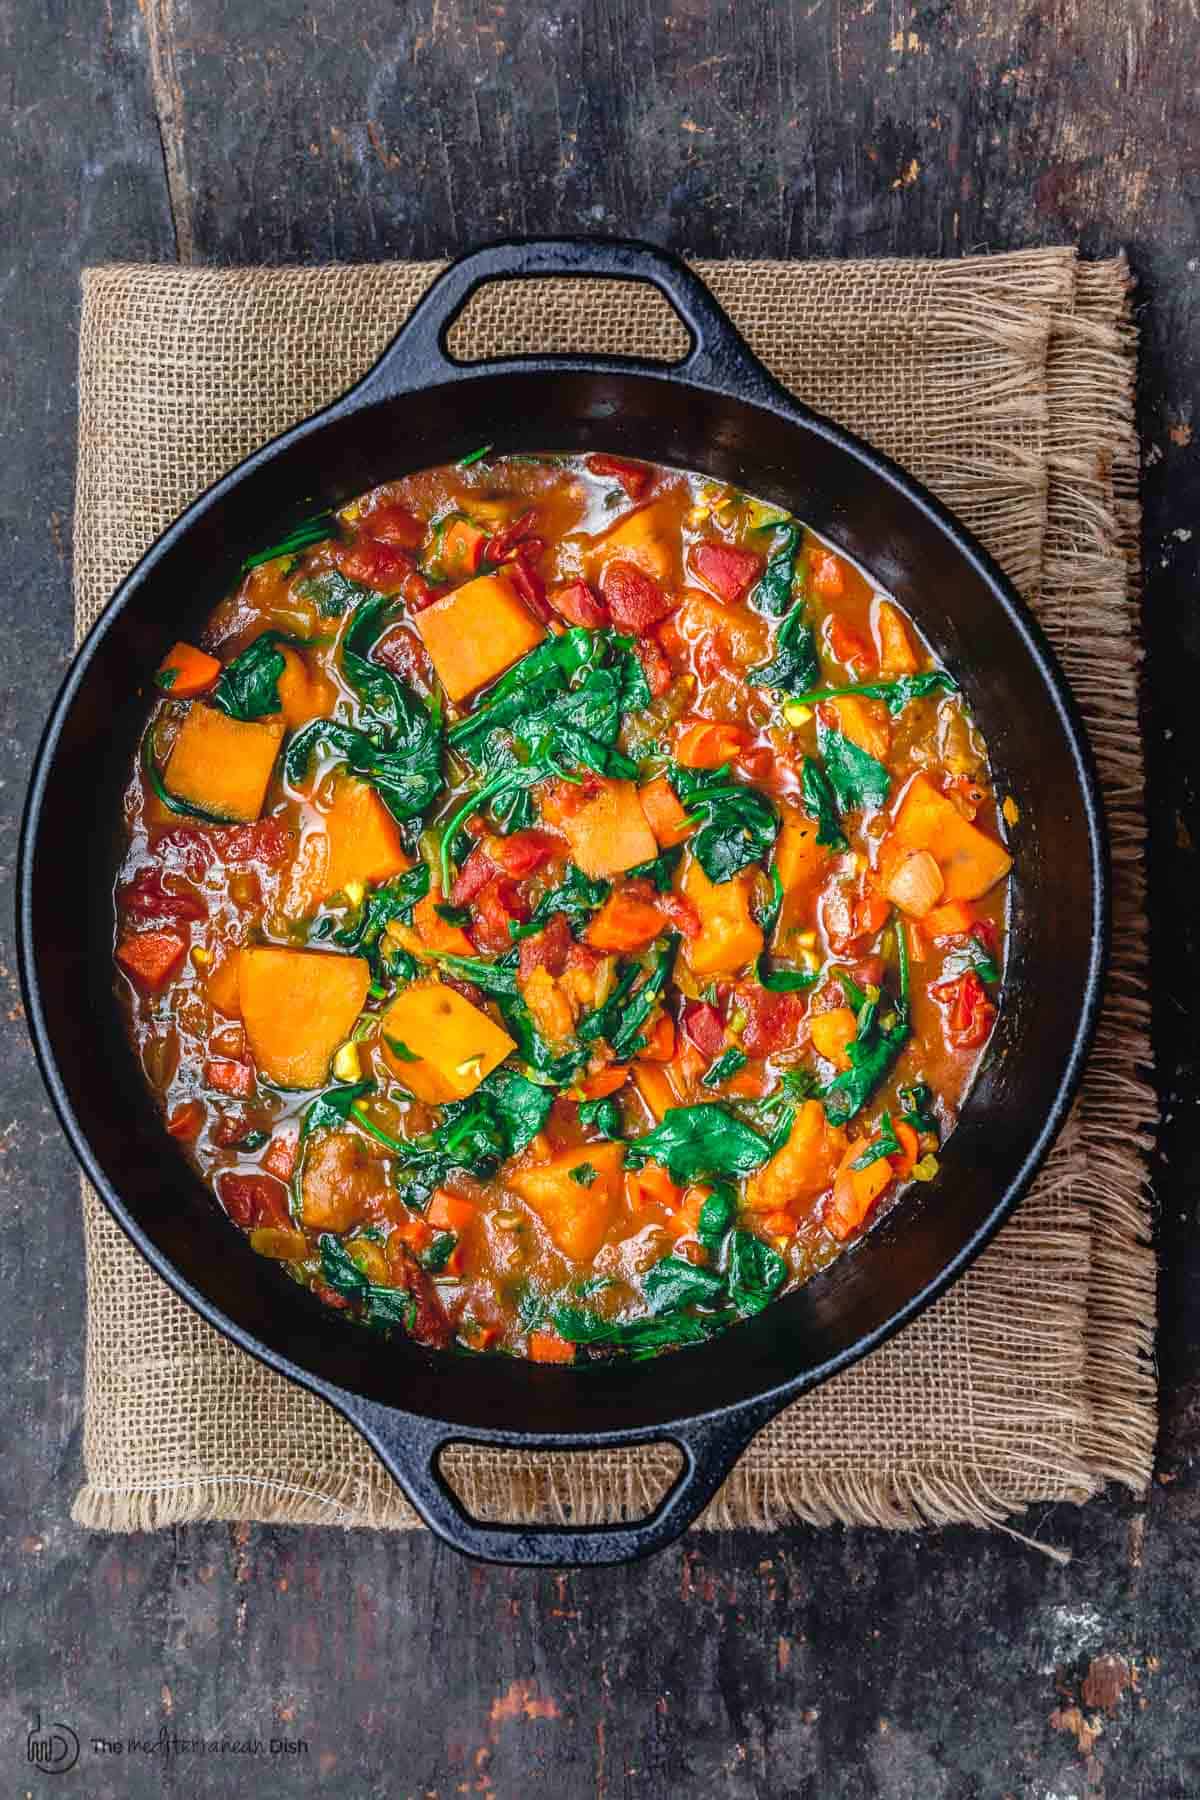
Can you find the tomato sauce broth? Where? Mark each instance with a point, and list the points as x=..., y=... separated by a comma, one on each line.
x=563, y=905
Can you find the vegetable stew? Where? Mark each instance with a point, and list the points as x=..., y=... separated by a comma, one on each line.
x=563, y=905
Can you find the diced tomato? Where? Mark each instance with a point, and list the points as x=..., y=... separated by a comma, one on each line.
x=604, y=1082
x=651, y=1186
x=187, y=1121
x=548, y=1347
x=524, y=851
x=386, y=570
x=280, y=1158
x=449, y=1212
x=497, y=905
x=867, y=971
x=577, y=604
x=473, y=877
x=706, y=744
x=530, y=585
x=849, y=647
x=680, y=913
x=267, y=841
x=827, y=575
x=757, y=764
x=228, y=1077
x=772, y=1020
x=970, y=1014
x=230, y=1129
x=729, y=572
x=984, y=932
x=502, y=543
x=836, y=908
x=148, y=897
x=871, y=914
x=635, y=600
x=254, y=1200
x=186, y=848
x=330, y=1296
x=635, y=478
x=151, y=957
x=704, y=1025
x=656, y=666
x=548, y=949
x=397, y=526
x=401, y=651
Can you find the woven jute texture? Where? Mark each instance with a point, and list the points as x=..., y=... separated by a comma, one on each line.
x=1003, y=382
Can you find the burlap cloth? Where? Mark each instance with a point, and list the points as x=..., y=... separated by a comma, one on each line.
x=1003, y=382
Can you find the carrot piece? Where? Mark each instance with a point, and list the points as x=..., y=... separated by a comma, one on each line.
x=651, y=1186
x=832, y=1033
x=185, y=672
x=625, y=922
x=827, y=575
x=151, y=957
x=604, y=1082
x=185, y=1122
x=848, y=647
x=548, y=1347
x=896, y=653
x=448, y=1212
x=910, y=1149
x=665, y=815
x=703, y=744
x=954, y=919
x=660, y=1041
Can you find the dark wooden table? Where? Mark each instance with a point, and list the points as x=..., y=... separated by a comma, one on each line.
x=804, y=1663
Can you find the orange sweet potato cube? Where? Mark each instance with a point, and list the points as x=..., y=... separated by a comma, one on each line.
x=575, y=1195
x=223, y=764
x=356, y=840
x=298, y=1006
x=610, y=833
x=475, y=633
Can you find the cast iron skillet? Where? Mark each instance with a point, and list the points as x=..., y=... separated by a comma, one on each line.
x=720, y=412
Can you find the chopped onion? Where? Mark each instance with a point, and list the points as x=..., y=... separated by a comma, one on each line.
x=915, y=885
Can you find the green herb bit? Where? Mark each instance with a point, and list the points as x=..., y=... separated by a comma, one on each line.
x=400, y=1049
x=476, y=456
x=309, y=532
x=730, y=1063
x=885, y=1144
x=584, y=1173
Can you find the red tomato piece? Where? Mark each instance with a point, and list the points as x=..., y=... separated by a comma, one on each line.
x=267, y=841
x=730, y=573
x=280, y=1158
x=547, y=949
x=473, y=877
x=703, y=1023
x=254, y=1200
x=186, y=848
x=971, y=1014
x=403, y=653
x=498, y=905
x=849, y=646
x=230, y=1130
x=656, y=666
x=680, y=913
x=397, y=526
x=635, y=600
x=529, y=585
x=187, y=1121
x=502, y=543
x=772, y=1020
x=524, y=851
x=577, y=604
x=635, y=478
x=151, y=957
x=233, y=1078
x=148, y=897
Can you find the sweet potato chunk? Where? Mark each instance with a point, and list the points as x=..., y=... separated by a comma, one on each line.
x=971, y=862
x=803, y=1168
x=865, y=723
x=648, y=538
x=357, y=840
x=832, y=1034
x=729, y=937
x=802, y=865
x=446, y=1045
x=303, y=694
x=476, y=632
x=575, y=1195
x=664, y=813
x=341, y=1178
x=855, y=1191
x=297, y=1007
x=610, y=833
x=223, y=764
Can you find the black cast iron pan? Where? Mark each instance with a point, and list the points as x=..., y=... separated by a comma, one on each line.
x=720, y=412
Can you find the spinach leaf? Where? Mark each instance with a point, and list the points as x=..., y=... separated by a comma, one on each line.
x=821, y=802
x=872, y=1051
x=639, y=1338
x=393, y=901
x=695, y=1141
x=322, y=525
x=521, y=1106
x=739, y=824
x=661, y=870
x=248, y=687
x=332, y=592
x=402, y=762
x=382, y=1306
x=895, y=694
x=755, y=1272
x=475, y=456
x=627, y=1038
x=886, y=1144
x=577, y=897
x=453, y=915
x=603, y=1116
x=716, y=1216
x=497, y=978
x=435, y=1256
x=527, y=686
x=857, y=778
x=773, y=594
x=917, y=1102
x=674, y=1282
x=604, y=1021
x=728, y=1064
x=794, y=664
x=784, y=981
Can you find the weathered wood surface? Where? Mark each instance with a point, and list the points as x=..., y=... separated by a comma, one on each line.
x=805, y=1663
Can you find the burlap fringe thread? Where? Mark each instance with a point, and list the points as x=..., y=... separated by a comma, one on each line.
x=1082, y=561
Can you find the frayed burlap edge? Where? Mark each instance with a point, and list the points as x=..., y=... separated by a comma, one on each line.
x=1089, y=530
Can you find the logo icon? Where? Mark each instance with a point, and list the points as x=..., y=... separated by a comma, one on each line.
x=53, y=1750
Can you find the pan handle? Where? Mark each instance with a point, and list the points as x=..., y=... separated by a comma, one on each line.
x=409, y=1448
x=417, y=356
